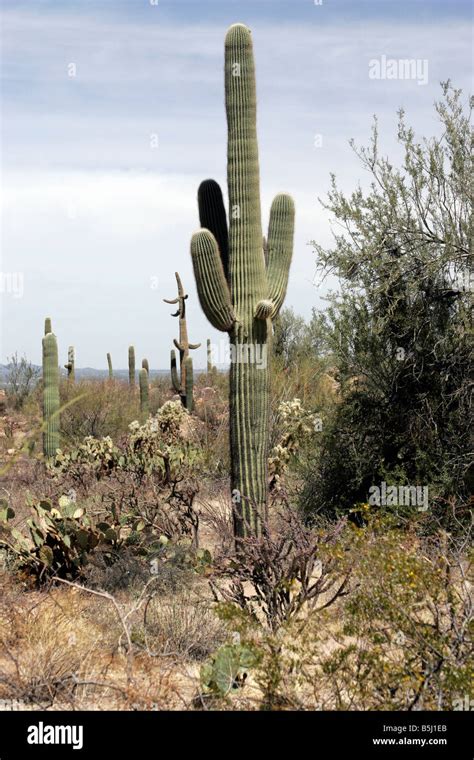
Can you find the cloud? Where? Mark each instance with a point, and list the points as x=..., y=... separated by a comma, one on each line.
x=92, y=211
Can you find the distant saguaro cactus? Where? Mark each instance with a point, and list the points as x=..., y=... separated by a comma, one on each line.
x=241, y=281
x=189, y=384
x=50, y=395
x=109, y=364
x=131, y=365
x=143, y=382
x=47, y=326
x=70, y=366
x=180, y=384
x=209, y=356
x=146, y=366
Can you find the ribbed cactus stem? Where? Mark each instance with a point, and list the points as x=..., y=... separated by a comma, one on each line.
x=183, y=345
x=145, y=365
x=131, y=365
x=109, y=364
x=47, y=326
x=209, y=356
x=243, y=296
x=70, y=366
x=143, y=382
x=174, y=373
x=189, y=400
x=50, y=396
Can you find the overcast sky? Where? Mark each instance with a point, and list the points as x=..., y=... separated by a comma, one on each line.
x=96, y=219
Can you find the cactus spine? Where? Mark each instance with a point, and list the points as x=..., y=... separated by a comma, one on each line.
x=143, y=382
x=241, y=295
x=180, y=384
x=71, y=364
x=109, y=363
x=131, y=365
x=50, y=395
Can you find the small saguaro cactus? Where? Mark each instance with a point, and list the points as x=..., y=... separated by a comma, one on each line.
x=109, y=364
x=143, y=382
x=210, y=368
x=241, y=282
x=145, y=365
x=50, y=395
x=70, y=366
x=131, y=365
x=183, y=345
x=47, y=325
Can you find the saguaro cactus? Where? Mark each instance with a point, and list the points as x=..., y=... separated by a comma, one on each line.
x=209, y=357
x=241, y=281
x=50, y=395
x=109, y=364
x=143, y=381
x=131, y=365
x=180, y=383
x=189, y=400
x=47, y=325
x=70, y=366
x=145, y=365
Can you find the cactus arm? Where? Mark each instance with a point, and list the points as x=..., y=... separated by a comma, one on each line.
x=280, y=248
x=171, y=300
x=47, y=325
x=193, y=346
x=212, y=217
x=189, y=401
x=174, y=373
x=178, y=345
x=212, y=287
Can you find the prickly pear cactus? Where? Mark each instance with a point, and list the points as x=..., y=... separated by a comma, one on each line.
x=241, y=281
x=50, y=396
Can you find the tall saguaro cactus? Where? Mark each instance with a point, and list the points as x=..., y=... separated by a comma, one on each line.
x=71, y=364
x=47, y=325
x=143, y=382
x=241, y=281
x=109, y=364
x=50, y=395
x=131, y=365
x=180, y=383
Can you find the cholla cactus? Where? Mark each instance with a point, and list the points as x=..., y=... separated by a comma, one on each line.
x=180, y=384
x=131, y=366
x=50, y=395
x=297, y=426
x=70, y=366
x=241, y=281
